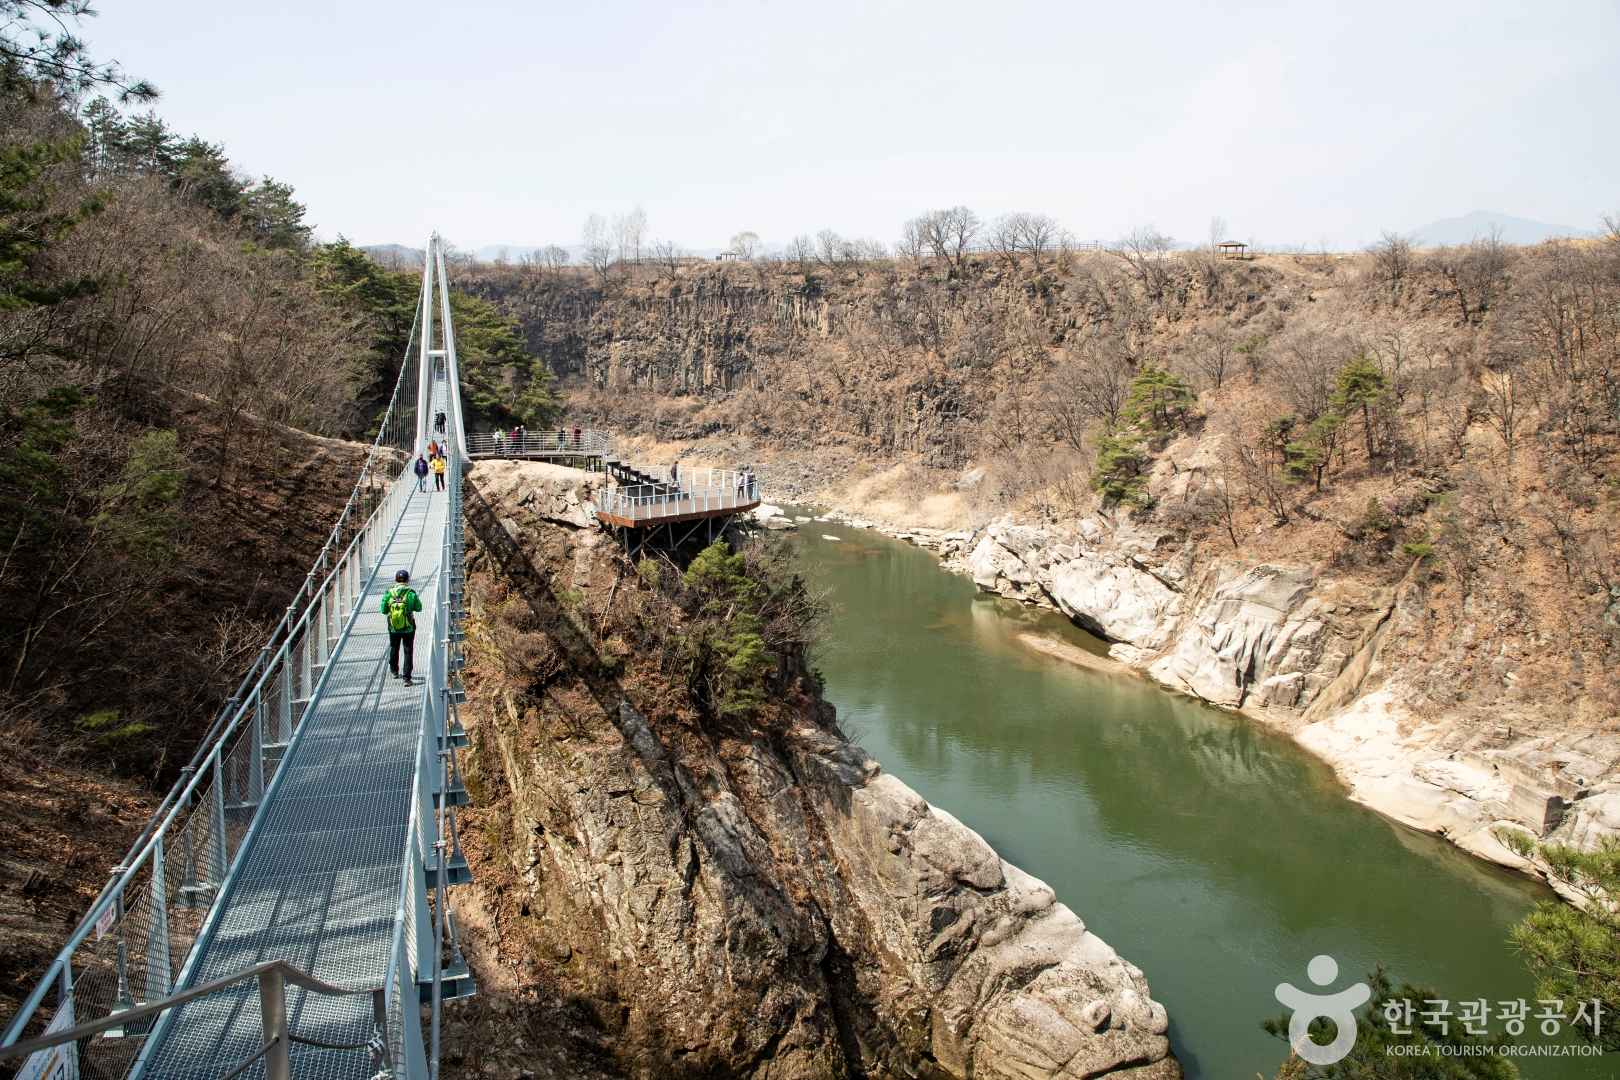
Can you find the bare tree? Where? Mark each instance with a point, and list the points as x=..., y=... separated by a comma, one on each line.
x=630, y=231
x=1212, y=350
x=868, y=251
x=1022, y=233
x=1146, y=251
x=1003, y=240
x=802, y=251
x=1392, y=262
x=668, y=257
x=1217, y=233
x=1504, y=407
x=912, y=244
x=950, y=233
x=1474, y=273
x=553, y=257
x=833, y=250
x=1087, y=387
x=598, y=244
x=745, y=245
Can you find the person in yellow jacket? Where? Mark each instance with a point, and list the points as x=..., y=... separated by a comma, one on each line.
x=438, y=473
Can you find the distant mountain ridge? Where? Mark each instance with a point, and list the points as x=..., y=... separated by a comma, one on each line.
x=1479, y=223
x=397, y=256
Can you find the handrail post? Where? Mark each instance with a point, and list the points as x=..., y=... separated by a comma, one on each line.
x=222, y=852
x=255, y=780
x=159, y=966
x=273, y=1011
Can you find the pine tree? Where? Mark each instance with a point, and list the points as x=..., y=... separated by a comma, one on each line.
x=1360, y=385
x=1574, y=952
x=104, y=127
x=1159, y=400
x=48, y=51
x=31, y=221
x=1121, y=461
x=274, y=218
x=1444, y=1055
x=202, y=174
x=150, y=147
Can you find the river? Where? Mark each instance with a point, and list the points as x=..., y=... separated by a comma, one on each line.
x=1216, y=855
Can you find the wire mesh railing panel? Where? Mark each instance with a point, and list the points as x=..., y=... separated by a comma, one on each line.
x=555, y=443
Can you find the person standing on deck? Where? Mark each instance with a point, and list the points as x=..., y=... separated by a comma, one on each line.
x=675, y=472
x=421, y=470
x=399, y=606
x=438, y=473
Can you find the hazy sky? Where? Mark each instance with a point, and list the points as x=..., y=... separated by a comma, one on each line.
x=502, y=121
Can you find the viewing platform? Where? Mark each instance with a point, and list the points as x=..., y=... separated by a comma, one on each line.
x=642, y=505
x=698, y=494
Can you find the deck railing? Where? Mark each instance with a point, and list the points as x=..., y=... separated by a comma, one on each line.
x=558, y=443
x=697, y=491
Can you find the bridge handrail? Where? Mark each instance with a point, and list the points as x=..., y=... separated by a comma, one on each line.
x=309, y=604
x=418, y=947
x=283, y=973
x=592, y=443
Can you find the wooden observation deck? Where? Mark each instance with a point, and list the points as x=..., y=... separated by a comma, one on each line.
x=642, y=506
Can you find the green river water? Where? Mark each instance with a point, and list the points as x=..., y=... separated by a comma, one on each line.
x=1214, y=854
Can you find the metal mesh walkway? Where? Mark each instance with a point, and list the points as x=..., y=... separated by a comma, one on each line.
x=319, y=882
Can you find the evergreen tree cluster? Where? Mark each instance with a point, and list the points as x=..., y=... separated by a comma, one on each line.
x=144, y=145
x=1158, y=404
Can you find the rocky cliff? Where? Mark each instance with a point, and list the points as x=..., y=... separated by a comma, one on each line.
x=661, y=891
x=1343, y=665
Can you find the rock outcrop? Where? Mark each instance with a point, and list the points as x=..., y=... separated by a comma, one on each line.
x=752, y=899
x=541, y=490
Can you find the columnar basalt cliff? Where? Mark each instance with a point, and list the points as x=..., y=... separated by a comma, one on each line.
x=663, y=891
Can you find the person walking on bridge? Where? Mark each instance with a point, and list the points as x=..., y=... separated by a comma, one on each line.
x=438, y=421
x=438, y=473
x=399, y=606
x=421, y=470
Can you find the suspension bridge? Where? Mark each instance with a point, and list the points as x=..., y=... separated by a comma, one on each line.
x=284, y=912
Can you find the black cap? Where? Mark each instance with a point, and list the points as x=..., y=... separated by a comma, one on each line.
x=402, y=575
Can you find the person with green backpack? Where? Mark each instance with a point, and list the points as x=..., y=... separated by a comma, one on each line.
x=400, y=605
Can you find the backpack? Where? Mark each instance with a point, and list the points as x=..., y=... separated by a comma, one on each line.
x=399, y=610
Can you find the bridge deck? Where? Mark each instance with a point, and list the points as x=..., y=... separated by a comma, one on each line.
x=674, y=511
x=319, y=882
